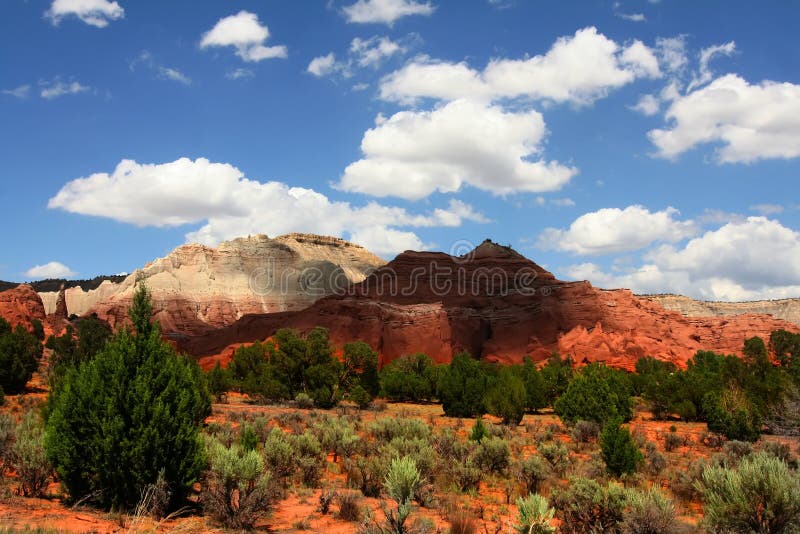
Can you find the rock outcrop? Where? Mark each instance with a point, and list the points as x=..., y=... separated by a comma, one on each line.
x=786, y=309
x=21, y=305
x=77, y=299
x=197, y=289
x=498, y=305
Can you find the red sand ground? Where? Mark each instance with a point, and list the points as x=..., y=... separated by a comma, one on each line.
x=298, y=512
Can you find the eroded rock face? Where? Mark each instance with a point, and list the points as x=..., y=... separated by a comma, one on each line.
x=21, y=305
x=78, y=300
x=501, y=306
x=786, y=309
x=197, y=289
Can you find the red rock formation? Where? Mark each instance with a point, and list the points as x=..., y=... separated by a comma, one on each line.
x=61, y=312
x=21, y=305
x=501, y=306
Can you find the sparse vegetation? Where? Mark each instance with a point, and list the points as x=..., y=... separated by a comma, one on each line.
x=534, y=515
x=761, y=495
x=29, y=458
x=488, y=477
x=238, y=489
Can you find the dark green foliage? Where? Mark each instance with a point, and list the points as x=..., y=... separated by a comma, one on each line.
x=755, y=350
x=37, y=329
x=55, y=284
x=409, y=378
x=786, y=348
x=655, y=382
x=506, y=397
x=219, y=381
x=556, y=376
x=247, y=361
x=93, y=334
x=706, y=373
x=132, y=411
x=64, y=350
x=620, y=452
x=360, y=396
x=250, y=371
x=360, y=368
x=597, y=394
x=292, y=365
x=20, y=352
x=535, y=387
x=71, y=351
x=2, y=397
x=479, y=431
x=586, y=507
x=462, y=386
x=248, y=439
x=307, y=365
x=731, y=414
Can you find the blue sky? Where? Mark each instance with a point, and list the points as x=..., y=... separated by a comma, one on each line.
x=641, y=144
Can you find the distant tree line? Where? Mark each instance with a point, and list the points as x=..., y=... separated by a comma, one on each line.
x=736, y=396
x=54, y=284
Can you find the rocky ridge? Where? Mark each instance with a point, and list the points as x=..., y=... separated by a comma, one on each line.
x=197, y=288
x=498, y=305
x=786, y=309
x=21, y=305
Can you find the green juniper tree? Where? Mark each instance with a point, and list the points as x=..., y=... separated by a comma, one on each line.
x=131, y=412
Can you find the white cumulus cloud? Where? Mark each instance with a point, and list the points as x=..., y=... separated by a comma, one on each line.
x=749, y=259
x=385, y=11
x=244, y=32
x=580, y=69
x=611, y=230
x=97, y=13
x=750, y=121
x=53, y=269
x=415, y=153
x=227, y=204
x=322, y=65
x=363, y=53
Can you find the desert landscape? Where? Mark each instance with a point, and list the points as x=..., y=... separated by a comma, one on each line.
x=521, y=401
x=399, y=267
